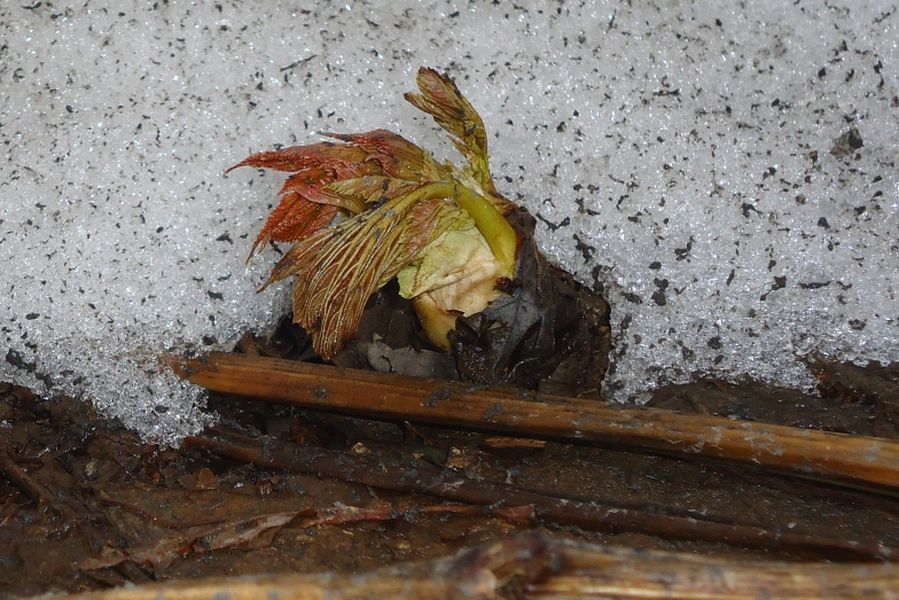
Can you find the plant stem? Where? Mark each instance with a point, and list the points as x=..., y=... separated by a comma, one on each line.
x=500, y=236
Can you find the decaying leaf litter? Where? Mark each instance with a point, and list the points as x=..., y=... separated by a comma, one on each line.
x=285, y=489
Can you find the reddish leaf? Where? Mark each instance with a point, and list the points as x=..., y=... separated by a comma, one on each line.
x=396, y=155
x=341, y=160
x=294, y=219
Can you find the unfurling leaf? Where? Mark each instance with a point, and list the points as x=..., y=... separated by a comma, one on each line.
x=441, y=99
x=339, y=267
x=397, y=156
x=319, y=166
x=372, y=189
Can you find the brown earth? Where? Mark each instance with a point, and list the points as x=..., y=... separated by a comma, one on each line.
x=85, y=504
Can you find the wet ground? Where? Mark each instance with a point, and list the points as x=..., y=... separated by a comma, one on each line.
x=85, y=505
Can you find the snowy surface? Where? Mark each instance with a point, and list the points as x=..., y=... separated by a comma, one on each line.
x=678, y=154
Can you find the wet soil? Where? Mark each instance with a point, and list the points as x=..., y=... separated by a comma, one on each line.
x=84, y=504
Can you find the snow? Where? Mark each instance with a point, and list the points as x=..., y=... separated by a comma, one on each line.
x=679, y=156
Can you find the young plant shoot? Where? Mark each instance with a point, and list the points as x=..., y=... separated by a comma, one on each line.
x=370, y=207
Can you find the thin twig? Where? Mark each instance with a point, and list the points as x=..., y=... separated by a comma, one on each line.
x=419, y=477
x=853, y=461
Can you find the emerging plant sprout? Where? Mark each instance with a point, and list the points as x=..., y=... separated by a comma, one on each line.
x=371, y=207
